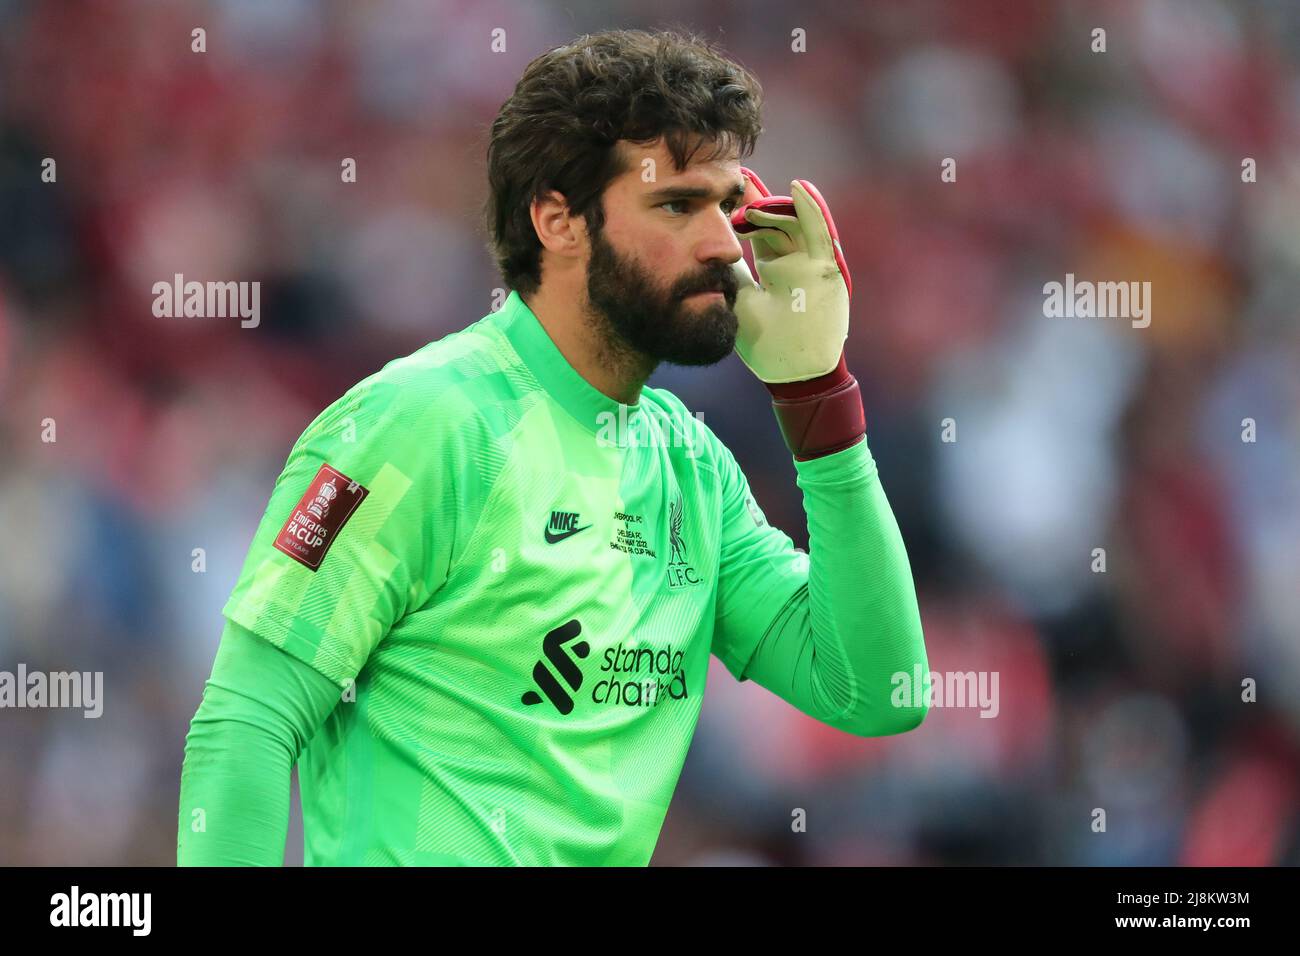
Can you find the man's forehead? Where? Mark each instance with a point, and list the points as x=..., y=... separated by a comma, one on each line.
x=652, y=165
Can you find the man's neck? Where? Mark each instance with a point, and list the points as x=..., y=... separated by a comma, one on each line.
x=586, y=341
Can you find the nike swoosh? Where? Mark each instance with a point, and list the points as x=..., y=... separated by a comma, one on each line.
x=551, y=537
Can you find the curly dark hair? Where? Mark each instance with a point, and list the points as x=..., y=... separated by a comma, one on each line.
x=558, y=130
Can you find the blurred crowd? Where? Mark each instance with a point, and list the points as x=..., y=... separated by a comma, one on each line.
x=1106, y=516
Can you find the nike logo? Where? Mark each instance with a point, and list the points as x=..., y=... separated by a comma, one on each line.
x=551, y=537
x=563, y=525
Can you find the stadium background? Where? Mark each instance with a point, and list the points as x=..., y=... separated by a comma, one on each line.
x=1119, y=690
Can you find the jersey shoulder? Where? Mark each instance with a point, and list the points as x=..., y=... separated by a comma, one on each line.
x=468, y=384
x=466, y=366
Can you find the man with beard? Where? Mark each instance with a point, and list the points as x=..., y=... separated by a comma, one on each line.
x=478, y=620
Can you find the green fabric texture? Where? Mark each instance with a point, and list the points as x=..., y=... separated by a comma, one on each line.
x=515, y=623
x=259, y=708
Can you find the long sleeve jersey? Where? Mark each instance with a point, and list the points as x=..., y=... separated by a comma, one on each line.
x=479, y=608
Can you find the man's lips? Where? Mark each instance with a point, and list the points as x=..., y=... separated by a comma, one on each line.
x=716, y=290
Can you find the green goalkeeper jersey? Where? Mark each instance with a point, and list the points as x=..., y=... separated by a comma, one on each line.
x=516, y=582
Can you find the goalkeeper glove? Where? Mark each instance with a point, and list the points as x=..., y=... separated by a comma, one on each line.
x=795, y=318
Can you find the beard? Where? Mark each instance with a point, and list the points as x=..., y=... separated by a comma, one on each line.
x=645, y=324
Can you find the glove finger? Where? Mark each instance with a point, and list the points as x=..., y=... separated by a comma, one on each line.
x=780, y=228
x=814, y=218
x=779, y=206
x=772, y=220
x=820, y=238
x=768, y=243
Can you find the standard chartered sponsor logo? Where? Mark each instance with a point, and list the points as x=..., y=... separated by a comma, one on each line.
x=640, y=677
x=633, y=677
x=553, y=649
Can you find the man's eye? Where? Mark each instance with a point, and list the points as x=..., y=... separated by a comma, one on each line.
x=728, y=206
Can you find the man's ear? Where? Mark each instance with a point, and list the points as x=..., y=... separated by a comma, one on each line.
x=558, y=230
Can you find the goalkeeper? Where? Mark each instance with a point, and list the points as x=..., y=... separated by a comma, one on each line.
x=479, y=608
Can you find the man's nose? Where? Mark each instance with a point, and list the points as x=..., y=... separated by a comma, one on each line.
x=719, y=240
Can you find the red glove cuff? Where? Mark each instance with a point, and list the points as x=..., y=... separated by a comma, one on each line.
x=821, y=415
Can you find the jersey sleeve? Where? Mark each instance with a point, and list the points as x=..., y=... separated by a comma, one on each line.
x=837, y=650
x=759, y=569
x=357, y=531
x=260, y=707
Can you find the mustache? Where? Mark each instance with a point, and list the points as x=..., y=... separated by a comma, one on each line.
x=721, y=280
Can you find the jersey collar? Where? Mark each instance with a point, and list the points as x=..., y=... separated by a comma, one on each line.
x=575, y=394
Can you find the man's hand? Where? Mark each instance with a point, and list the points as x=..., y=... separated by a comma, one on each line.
x=794, y=320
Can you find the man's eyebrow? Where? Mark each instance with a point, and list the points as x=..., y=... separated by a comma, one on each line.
x=693, y=192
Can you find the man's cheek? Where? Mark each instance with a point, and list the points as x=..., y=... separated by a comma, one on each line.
x=651, y=250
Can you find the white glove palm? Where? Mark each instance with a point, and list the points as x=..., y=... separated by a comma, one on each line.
x=794, y=320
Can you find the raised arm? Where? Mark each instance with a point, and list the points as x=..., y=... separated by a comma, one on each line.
x=850, y=623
